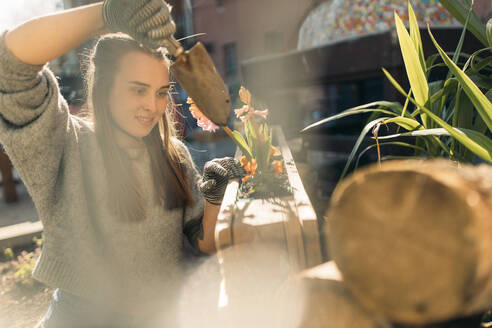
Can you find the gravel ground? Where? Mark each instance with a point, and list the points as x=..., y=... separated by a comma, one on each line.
x=21, y=306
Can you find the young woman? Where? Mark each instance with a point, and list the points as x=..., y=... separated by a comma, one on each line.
x=117, y=195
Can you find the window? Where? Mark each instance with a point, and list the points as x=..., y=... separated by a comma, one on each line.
x=230, y=59
x=220, y=6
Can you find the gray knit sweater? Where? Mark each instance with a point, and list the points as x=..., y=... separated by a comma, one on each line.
x=87, y=250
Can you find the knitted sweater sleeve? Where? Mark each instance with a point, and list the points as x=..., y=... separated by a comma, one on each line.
x=34, y=123
x=192, y=218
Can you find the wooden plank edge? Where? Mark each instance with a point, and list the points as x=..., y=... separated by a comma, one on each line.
x=293, y=237
x=223, y=228
x=305, y=212
x=19, y=234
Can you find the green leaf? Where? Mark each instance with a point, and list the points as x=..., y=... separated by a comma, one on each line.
x=462, y=118
x=482, y=81
x=437, y=91
x=462, y=38
x=241, y=143
x=354, y=111
x=415, y=73
x=464, y=113
x=470, y=136
x=431, y=147
x=464, y=139
x=405, y=106
x=264, y=155
x=437, y=132
x=408, y=124
x=471, y=59
x=364, y=132
x=475, y=26
x=249, y=139
x=478, y=124
x=429, y=63
x=420, y=142
x=482, y=104
x=489, y=32
x=477, y=67
x=415, y=36
x=448, y=90
x=400, y=89
x=252, y=138
x=450, y=85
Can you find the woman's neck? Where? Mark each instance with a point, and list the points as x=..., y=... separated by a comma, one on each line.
x=126, y=140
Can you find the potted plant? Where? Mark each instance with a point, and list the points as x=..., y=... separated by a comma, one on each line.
x=267, y=230
x=269, y=203
x=449, y=117
x=398, y=231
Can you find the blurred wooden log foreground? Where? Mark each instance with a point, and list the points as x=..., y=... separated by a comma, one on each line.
x=413, y=239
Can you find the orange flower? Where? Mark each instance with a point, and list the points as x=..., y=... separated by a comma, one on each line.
x=243, y=160
x=245, y=95
x=274, y=151
x=262, y=113
x=246, y=178
x=241, y=111
x=277, y=167
x=249, y=167
x=245, y=112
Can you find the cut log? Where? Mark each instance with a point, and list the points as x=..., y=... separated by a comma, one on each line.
x=413, y=239
x=329, y=304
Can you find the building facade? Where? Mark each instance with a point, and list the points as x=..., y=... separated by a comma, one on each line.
x=239, y=30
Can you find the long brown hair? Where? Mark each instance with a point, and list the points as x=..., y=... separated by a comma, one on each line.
x=168, y=171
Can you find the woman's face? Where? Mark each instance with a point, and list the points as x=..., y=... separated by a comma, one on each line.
x=138, y=97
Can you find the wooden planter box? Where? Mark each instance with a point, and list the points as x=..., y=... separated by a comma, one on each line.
x=289, y=221
x=261, y=245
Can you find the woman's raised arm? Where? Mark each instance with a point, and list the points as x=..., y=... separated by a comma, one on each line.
x=45, y=38
x=42, y=39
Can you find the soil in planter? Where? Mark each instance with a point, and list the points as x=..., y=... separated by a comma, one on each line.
x=265, y=186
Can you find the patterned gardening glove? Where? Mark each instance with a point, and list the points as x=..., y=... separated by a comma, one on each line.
x=216, y=174
x=147, y=21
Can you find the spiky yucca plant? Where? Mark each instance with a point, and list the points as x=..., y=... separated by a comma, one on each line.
x=451, y=117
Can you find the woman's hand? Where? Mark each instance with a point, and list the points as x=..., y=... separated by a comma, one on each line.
x=216, y=174
x=147, y=21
